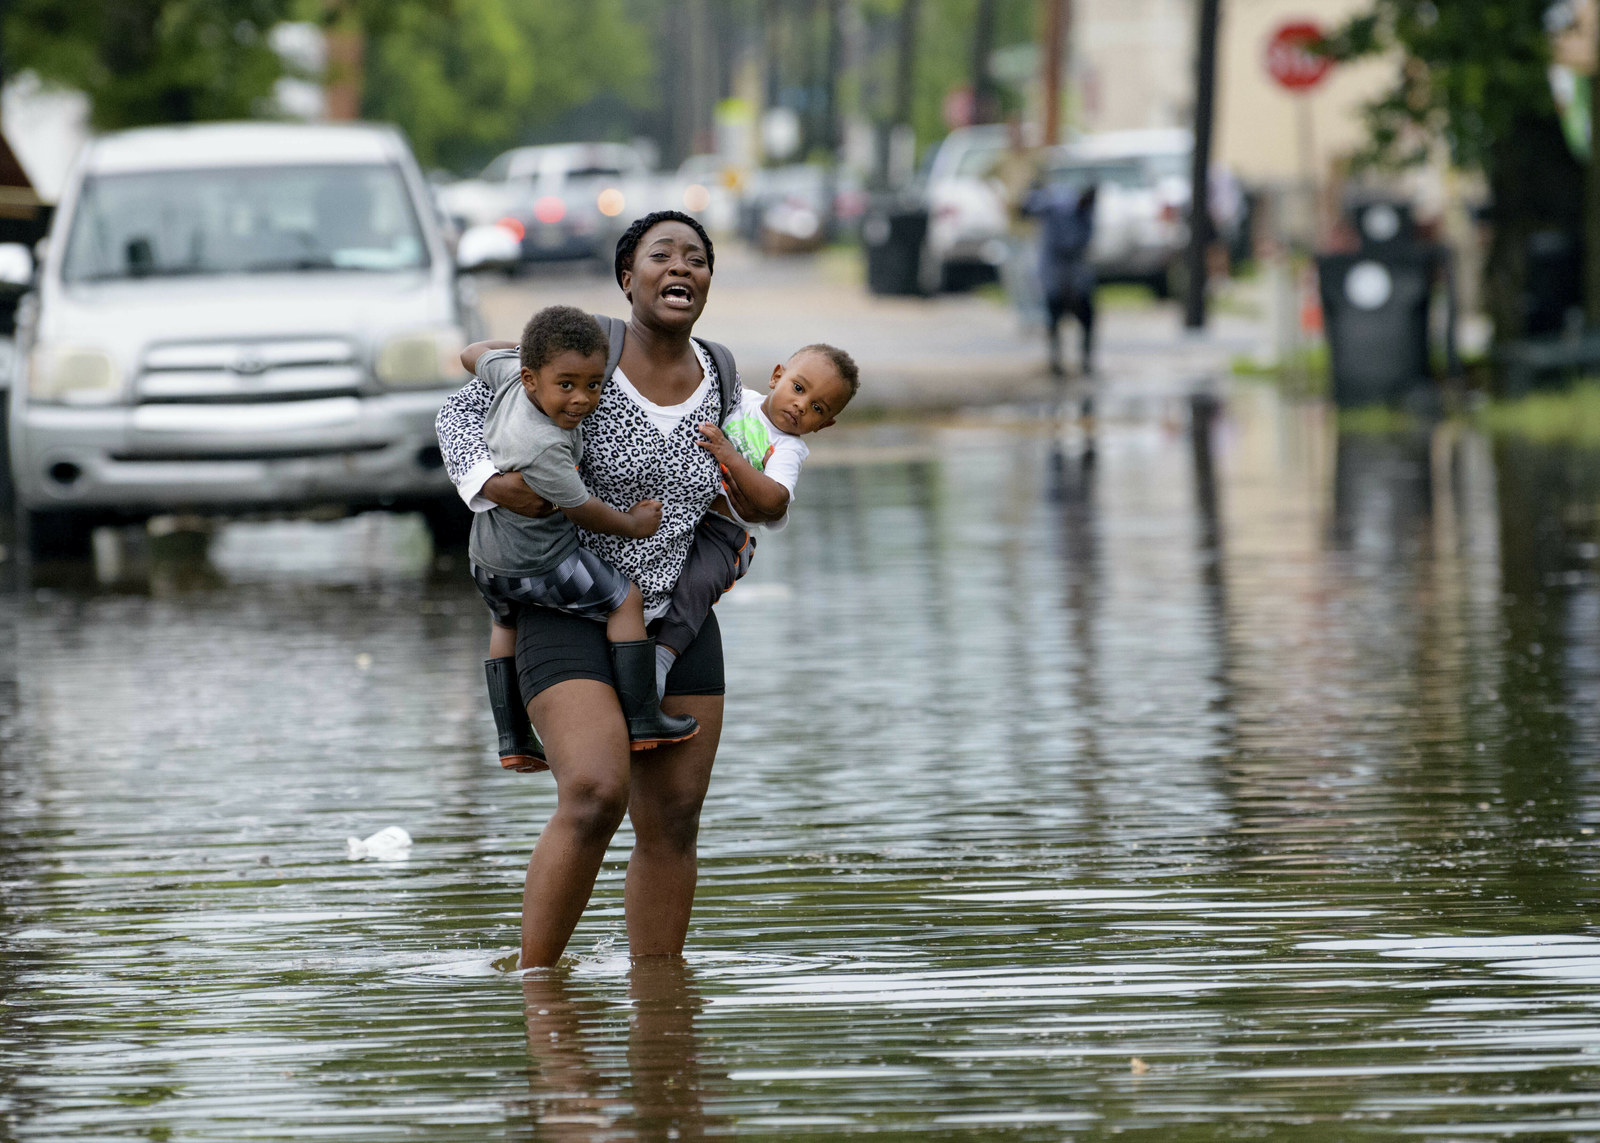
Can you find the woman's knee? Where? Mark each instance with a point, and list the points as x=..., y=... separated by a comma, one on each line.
x=593, y=804
x=667, y=822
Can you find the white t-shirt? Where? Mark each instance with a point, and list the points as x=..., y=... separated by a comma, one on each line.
x=769, y=449
x=666, y=417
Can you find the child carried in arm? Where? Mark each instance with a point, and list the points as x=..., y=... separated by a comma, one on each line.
x=760, y=450
x=543, y=389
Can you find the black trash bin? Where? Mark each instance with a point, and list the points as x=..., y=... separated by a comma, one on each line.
x=1375, y=314
x=893, y=234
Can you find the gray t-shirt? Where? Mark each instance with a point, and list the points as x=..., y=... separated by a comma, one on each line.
x=522, y=439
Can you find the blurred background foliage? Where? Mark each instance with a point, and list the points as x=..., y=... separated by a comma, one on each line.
x=468, y=78
x=1476, y=75
x=149, y=61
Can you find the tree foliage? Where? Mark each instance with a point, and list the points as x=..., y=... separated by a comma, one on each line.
x=1473, y=71
x=471, y=76
x=149, y=61
x=462, y=77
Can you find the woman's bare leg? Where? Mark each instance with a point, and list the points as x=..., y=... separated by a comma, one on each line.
x=586, y=742
x=668, y=788
x=502, y=641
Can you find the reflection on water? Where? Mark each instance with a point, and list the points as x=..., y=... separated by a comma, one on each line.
x=1233, y=772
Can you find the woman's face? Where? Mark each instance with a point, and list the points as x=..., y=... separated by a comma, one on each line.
x=671, y=277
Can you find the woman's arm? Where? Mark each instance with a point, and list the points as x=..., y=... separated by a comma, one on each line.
x=470, y=355
x=594, y=514
x=757, y=497
x=466, y=457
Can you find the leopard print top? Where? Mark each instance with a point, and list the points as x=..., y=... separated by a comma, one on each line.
x=626, y=458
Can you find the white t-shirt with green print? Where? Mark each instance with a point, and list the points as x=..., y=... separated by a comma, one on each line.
x=776, y=453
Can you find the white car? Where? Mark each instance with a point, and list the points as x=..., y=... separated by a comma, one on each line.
x=1141, y=225
x=236, y=316
x=967, y=217
x=702, y=187
x=560, y=200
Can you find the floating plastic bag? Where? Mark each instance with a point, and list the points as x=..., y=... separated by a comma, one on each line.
x=389, y=844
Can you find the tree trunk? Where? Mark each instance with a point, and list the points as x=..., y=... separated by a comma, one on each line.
x=1536, y=189
x=1591, y=204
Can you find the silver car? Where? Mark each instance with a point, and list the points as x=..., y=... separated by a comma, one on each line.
x=231, y=317
x=562, y=200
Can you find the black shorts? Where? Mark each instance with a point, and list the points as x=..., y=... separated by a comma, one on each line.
x=553, y=647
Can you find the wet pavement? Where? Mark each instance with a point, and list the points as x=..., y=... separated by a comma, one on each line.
x=1232, y=783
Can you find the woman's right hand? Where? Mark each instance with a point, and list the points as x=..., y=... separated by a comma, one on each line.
x=646, y=517
x=510, y=491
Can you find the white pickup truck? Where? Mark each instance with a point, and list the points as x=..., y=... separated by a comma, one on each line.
x=236, y=317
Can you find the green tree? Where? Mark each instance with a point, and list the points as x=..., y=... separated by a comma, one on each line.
x=472, y=76
x=1474, y=73
x=149, y=61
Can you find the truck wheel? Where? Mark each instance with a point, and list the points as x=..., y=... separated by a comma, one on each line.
x=59, y=535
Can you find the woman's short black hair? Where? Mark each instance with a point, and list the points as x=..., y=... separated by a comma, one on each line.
x=628, y=244
x=557, y=329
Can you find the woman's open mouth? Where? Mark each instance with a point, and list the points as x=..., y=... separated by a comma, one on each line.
x=678, y=295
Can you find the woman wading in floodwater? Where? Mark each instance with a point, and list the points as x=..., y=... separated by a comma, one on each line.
x=641, y=442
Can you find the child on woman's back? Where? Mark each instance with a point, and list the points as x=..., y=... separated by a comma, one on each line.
x=544, y=388
x=760, y=451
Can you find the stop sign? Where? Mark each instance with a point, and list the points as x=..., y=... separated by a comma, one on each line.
x=1290, y=60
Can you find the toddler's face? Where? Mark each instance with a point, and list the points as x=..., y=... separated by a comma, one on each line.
x=807, y=394
x=567, y=387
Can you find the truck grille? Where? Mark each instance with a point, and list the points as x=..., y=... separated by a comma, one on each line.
x=239, y=371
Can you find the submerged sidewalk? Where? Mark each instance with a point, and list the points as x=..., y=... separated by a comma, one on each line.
x=955, y=351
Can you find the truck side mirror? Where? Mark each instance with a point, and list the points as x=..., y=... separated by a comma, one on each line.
x=16, y=264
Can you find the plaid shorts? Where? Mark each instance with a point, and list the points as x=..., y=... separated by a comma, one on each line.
x=582, y=584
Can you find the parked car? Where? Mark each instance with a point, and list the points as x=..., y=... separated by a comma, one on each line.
x=784, y=209
x=967, y=217
x=237, y=316
x=561, y=200
x=1142, y=207
x=703, y=186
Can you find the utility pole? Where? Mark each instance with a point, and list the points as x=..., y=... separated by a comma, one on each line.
x=1057, y=17
x=1205, y=92
x=1591, y=189
x=830, y=104
x=346, y=48
x=902, y=135
x=985, y=100
x=905, y=72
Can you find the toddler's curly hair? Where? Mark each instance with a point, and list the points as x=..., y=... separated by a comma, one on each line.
x=557, y=329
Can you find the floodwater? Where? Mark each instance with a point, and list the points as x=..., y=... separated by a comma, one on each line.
x=1237, y=784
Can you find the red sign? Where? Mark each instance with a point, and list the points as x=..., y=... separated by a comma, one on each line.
x=1290, y=60
x=959, y=107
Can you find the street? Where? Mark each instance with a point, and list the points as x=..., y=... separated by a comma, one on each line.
x=1041, y=766
x=950, y=352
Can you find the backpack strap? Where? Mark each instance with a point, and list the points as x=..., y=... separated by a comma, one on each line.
x=613, y=328
x=721, y=356
x=727, y=375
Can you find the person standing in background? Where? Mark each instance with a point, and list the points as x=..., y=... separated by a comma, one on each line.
x=1066, y=228
x=1014, y=175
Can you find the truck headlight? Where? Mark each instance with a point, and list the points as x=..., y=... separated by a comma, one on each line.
x=426, y=359
x=73, y=375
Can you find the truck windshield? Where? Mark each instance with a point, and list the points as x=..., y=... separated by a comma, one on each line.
x=243, y=220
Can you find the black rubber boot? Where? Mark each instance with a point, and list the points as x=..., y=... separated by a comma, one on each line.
x=634, y=663
x=520, y=748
